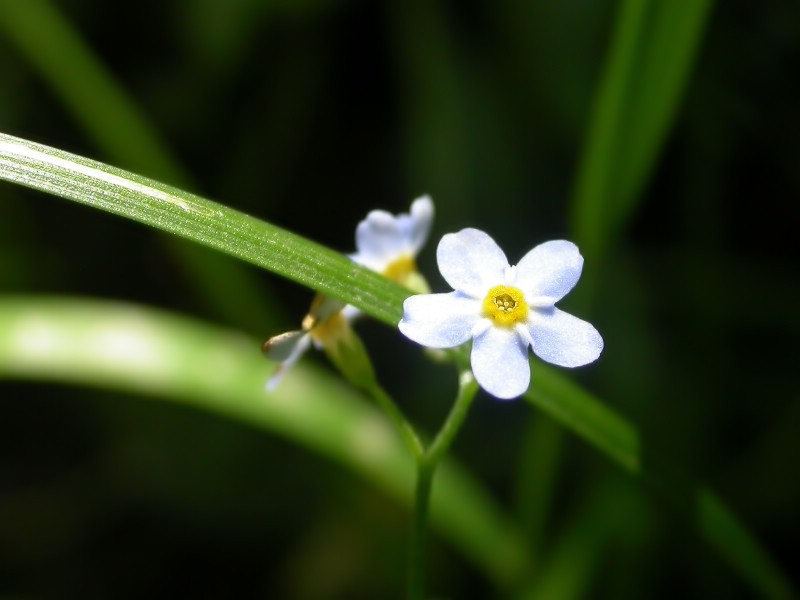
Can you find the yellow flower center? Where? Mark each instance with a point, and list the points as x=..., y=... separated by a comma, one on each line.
x=401, y=269
x=505, y=305
x=330, y=329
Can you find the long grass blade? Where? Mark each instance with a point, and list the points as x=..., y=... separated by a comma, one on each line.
x=139, y=350
x=192, y=217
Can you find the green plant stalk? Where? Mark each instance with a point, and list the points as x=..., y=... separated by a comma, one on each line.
x=347, y=352
x=396, y=415
x=426, y=469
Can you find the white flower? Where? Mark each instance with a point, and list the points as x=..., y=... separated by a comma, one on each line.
x=504, y=309
x=385, y=243
x=389, y=244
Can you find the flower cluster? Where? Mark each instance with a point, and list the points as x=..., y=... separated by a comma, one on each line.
x=504, y=309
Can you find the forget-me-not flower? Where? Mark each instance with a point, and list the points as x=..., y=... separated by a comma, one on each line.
x=385, y=243
x=504, y=309
x=389, y=244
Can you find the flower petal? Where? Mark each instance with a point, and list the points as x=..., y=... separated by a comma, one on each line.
x=471, y=262
x=323, y=308
x=379, y=239
x=551, y=270
x=382, y=237
x=562, y=339
x=500, y=362
x=285, y=348
x=420, y=223
x=281, y=347
x=439, y=320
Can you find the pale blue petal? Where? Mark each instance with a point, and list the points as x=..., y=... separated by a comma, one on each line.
x=550, y=270
x=379, y=240
x=500, y=362
x=282, y=346
x=471, y=262
x=285, y=348
x=324, y=307
x=439, y=320
x=350, y=313
x=382, y=237
x=562, y=339
x=421, y=223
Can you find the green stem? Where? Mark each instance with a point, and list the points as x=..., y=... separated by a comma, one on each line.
x=398, y=418
x=417, y=567
x=427, y=462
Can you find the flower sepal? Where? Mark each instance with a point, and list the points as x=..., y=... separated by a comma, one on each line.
x=349, y=355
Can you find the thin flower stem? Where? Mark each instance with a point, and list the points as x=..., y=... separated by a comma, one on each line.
x=417, y=558
x=427, y=461
x=467, y=387
x=398, y=418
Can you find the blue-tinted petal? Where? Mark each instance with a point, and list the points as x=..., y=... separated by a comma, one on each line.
x=439, y=320
x=500, y=362
x=379, y=240
x=562, y=339
x=471, y=262
x=550, y=270
x=382, y=237
x=285, y=348
x=420, y=223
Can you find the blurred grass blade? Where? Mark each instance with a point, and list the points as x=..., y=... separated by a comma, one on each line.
x=584, y=414
x=594, y=179
x=88, y=90
x=430, y=83
x=209, y=223
x=653, y=49
x=111, y=118
x=672, y=41
x=139, y=350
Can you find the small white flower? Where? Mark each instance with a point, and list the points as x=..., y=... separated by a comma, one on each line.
x=389, y=244
x=385, y=243
x=504, y=309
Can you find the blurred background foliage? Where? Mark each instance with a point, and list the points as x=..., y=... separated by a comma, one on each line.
x=308, y=114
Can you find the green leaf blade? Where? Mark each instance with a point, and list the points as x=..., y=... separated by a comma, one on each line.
x=134, y=349
x=204, y=221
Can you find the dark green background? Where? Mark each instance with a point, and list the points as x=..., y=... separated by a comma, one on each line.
x=308, y=114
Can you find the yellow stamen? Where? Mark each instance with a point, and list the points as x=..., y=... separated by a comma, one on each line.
x=505, y=305
x=330, y=329
x=400, y=269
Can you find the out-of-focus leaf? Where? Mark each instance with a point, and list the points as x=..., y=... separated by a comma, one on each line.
x=653, y=50
x=140, y=350
x=584, y=414
x=111, y=118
